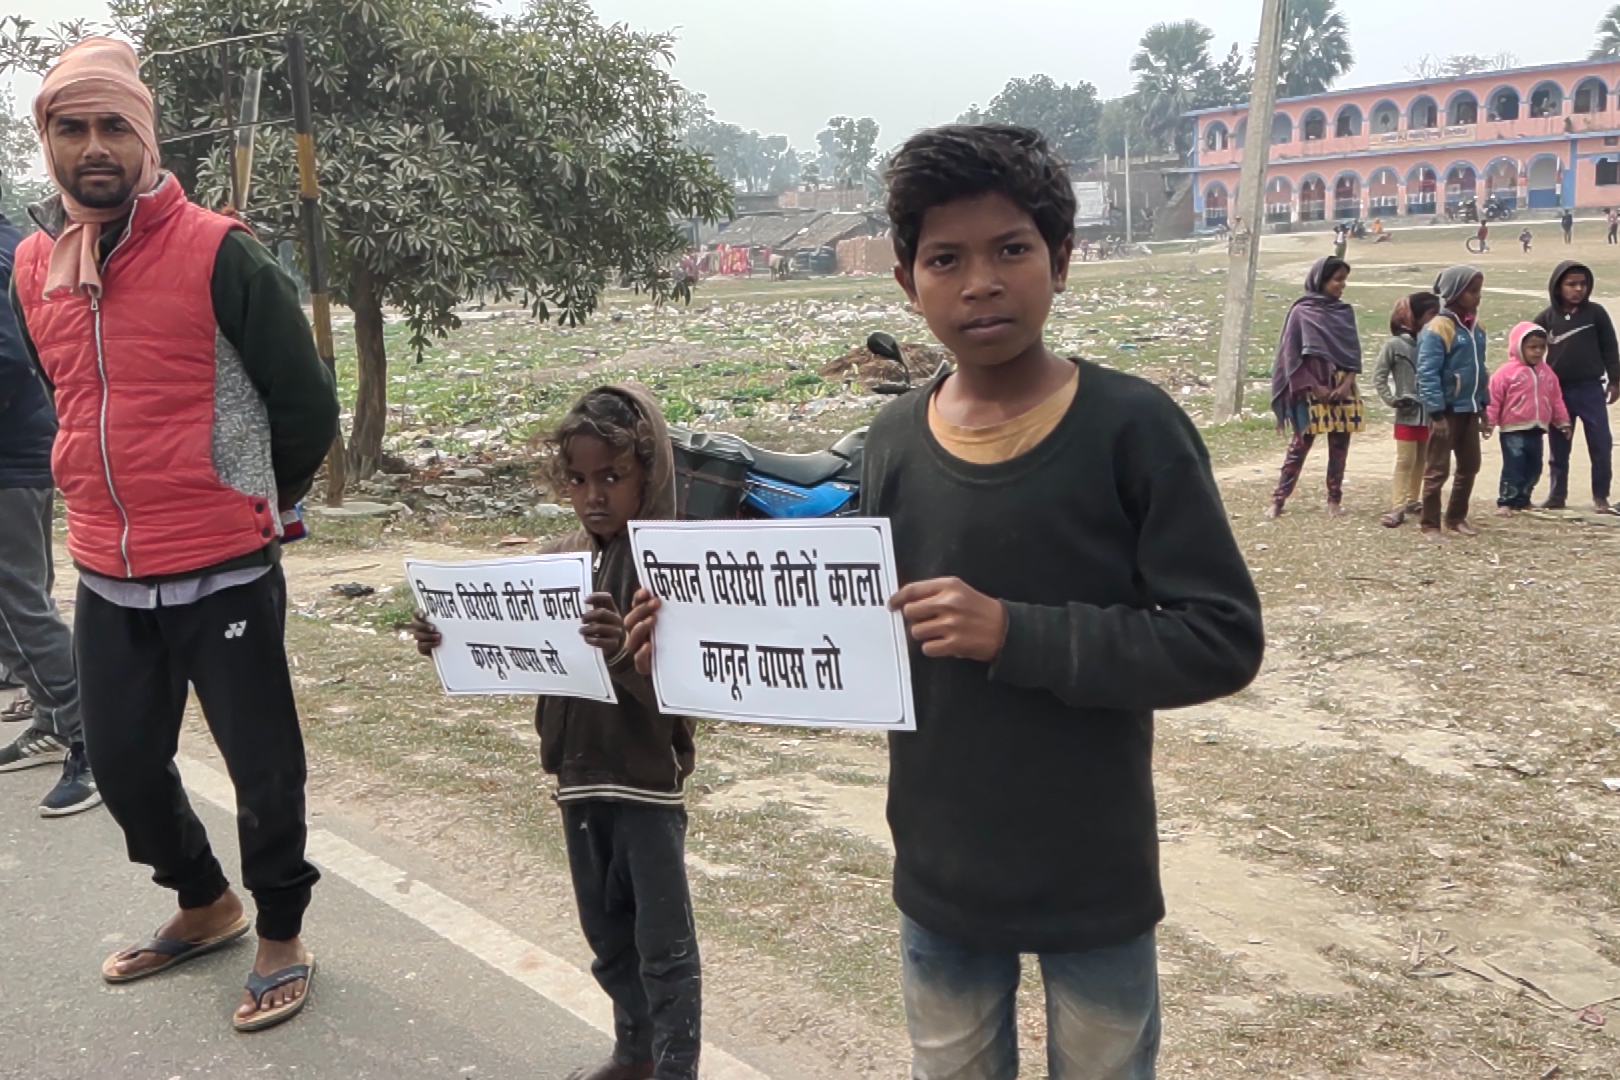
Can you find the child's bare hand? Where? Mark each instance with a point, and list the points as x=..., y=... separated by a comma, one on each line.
x=639, y=625
x=1485, y=431
x=1567, y=430
x=426, y=634
x=603, y=627
x=951, y=619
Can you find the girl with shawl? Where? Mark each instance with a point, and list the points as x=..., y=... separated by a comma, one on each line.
x=1313, y=383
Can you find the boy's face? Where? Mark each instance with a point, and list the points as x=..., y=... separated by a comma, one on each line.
x=604, y=484
x=1467, y=301
x=1533, y=349
x=983, y=278
x=1574, y=288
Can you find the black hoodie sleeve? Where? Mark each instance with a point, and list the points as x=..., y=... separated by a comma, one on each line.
x=1607, y=344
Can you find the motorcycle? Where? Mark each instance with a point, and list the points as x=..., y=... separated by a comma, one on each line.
x=1497, y=210
x=720, y=476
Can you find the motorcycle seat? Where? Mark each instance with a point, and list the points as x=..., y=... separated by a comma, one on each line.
x=806, y=470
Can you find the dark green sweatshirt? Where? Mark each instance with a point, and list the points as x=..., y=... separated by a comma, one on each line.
x=1022, y=806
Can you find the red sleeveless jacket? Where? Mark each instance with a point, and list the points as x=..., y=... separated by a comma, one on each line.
x=150, y=401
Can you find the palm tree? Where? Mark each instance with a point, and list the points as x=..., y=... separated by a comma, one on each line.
x=1315, y=47
x=1171, y=65
x=1608, y=36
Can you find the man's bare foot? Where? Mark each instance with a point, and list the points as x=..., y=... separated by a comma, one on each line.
x=613, y=1070
x=1463, y=528
x=1504, y=511
x=198, y=924
x=1275, y=510
x=1435, y=536
x=275, y=956
x=1599, y=506
x=1335, y=508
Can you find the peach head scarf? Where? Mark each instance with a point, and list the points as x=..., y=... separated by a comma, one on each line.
x=95, y=77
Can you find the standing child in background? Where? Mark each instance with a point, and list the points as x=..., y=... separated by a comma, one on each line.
x=1341, y=241
x=1586, y=356
x=1313, y=382
x=1526, y=402
x=1067, y=569
x=1524, y=239
x=620, y=768
x=1567, y=223
x=1613, y=217
x=1452, y=382
x=1483, y=235
x=1395, y=377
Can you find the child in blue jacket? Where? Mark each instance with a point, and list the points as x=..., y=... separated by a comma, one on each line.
x=1454, y=384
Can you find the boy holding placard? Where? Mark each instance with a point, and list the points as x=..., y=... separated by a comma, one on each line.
x=620, y=768
x=1071, y=570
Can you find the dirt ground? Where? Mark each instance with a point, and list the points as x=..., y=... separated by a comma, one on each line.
x=1393, y=856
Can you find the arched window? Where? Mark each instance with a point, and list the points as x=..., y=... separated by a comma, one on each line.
x=1423, y=114
x=1591, y=96
x=1463, y=108
x=1386, y=117
x=1313, y=199
x=1347, y=123
x=1215, y=204
x=1422, y=187
x=1215, y=136
x=1240, y=133
x=1547, y=99
x=1279, y=200
x=1383, y=193
x=1503, y=104
x=1313, y=125
x=1347, y=196
x=1282, y=129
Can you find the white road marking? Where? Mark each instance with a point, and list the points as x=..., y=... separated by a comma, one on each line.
x=552, y=977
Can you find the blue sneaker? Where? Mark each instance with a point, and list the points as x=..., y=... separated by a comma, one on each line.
x=76, y=792
x=30, y=749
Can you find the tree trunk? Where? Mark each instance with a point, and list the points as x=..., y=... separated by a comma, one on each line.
x=371, y=393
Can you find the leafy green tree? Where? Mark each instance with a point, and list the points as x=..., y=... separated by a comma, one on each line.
x=1607, y=45
x=1119, y=122
x=1069, y=116
x=539, y=152
x=852, y=147
x=1315, y=47
x=1171, y=67
x=1226, y=83
x=19, y=147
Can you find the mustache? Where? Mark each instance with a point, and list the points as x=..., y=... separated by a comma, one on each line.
x=98, y=167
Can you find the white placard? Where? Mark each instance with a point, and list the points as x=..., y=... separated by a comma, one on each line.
x=777, y=622
x=511, y=626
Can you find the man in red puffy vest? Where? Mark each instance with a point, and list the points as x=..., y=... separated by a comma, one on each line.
x=192, y=408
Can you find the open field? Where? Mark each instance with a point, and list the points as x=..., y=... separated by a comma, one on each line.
x=1395, y=855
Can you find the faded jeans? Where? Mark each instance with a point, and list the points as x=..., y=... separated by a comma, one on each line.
x=1102, y=1010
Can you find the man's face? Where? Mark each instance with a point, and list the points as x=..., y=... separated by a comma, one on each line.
x=983, y=278
x=1574, y=288
x=97, y=158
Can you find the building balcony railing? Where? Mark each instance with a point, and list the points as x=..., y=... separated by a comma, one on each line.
x=1483, y=133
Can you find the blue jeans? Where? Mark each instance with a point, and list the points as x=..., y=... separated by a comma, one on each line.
x=1102, y=1010
x=1588, y=405
x=1521, y=467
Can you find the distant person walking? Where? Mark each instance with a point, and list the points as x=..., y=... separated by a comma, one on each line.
x=1567, y=223
x=1525, y=239
x=1313, y=382
x=1613, y=216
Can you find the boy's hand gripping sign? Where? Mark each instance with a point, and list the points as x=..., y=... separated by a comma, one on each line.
x=511, y=626
x=777, y=622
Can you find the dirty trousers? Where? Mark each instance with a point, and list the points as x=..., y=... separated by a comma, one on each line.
x=1299, y=448
x=135, y=666
x=1461, y=440
x=628, y=863
x=1411, y=462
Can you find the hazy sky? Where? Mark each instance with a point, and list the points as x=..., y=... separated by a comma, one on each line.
x=787, y=67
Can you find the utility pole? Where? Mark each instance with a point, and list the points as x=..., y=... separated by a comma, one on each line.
x=1244, y=244
x=1128, y=239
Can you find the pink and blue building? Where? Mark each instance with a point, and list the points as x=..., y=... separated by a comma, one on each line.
x=1539, y=138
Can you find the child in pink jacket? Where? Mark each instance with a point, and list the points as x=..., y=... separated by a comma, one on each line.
x=1526, y=401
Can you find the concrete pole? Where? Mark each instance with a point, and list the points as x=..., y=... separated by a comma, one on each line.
x=1244, y=245
x=1129, y=240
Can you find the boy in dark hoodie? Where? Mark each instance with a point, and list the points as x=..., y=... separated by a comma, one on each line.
x=1583, y=354
x=620, y=768
x=1068, y=569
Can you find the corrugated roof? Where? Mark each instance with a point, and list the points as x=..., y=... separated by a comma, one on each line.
x=758, y=230
x=831, y=227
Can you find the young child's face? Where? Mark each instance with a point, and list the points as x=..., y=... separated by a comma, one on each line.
x=1467, y=301
x=983, y=278
x=604, y=484
x=1574, y=288
x=1533, y=349
x=1335, y=284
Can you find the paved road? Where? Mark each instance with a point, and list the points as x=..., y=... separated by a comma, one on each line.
x=401, y=992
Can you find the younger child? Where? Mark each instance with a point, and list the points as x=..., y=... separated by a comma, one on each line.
x=1067, y=568
x=1524, y=239
x=1395, y=377
x=1452, y=383
x=1526, y=401
x=620, y=768
x=1484, y=236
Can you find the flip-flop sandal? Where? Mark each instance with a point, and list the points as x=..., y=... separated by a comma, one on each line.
x=177, y=952
x=260, y=985
x=20, y=709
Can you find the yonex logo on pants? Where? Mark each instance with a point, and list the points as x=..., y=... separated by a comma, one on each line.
x=236, y=629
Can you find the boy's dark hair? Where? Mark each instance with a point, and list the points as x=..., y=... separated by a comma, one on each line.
x=961, y=161
x=611, y=417
x=1419, y=304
